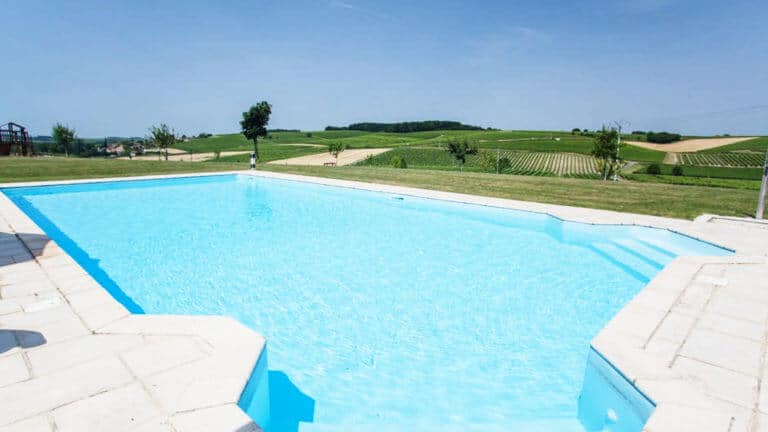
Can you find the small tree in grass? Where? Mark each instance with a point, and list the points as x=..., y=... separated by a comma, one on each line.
x=163, y=137
x=606, y=149
x=335, y=148
x=64, y=137
x=460, y=150
x=254, y=123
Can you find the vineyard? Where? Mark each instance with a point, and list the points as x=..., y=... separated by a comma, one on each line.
x=729, y=159
x=521, y=162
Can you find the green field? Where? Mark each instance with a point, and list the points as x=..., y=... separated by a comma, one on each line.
x=759, y=145
x=522, y=162
x=536, y=141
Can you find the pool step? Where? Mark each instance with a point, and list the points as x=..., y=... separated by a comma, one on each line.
x=640, y=268
x=653, y=255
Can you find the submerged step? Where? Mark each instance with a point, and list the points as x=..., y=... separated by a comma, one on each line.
x=635, y=266
x=652, y=255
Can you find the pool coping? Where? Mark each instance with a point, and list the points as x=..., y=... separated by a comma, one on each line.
x=624, y=341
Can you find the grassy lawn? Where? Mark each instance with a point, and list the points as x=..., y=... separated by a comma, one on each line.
x=671, y=200
x=58, y=168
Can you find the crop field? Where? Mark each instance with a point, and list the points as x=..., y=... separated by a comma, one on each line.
x=522, y=162
x=759, y=145
x=747, y=159
x=530, y=141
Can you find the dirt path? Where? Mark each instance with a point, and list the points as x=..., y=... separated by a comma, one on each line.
x=671, y=158
x=347, y=157
x=194, y=157
x=691, y=145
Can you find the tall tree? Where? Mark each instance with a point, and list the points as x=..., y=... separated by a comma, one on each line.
x=254, y=123
x=606, y=149
x=64, y=137
x=163, y=137
x=459, y=150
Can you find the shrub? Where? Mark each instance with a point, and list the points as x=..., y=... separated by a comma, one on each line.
x=662, y=137
x=677, y=170
x=504, y=164
x=398, y=162
x=654, y=169
x=309, y=134
x=638, y=132
x=574, y=131
x=489, y=163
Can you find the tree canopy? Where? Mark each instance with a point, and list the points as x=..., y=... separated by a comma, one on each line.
x=163, y=137
x=606, y=148
x=64, y=137
x=254, y=123
x=459, y=150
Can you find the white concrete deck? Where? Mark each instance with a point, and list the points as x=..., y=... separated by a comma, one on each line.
x=694, y=340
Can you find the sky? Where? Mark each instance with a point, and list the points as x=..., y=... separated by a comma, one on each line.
x=116, y=68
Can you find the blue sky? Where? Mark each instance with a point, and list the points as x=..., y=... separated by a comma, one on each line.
x=116, y=68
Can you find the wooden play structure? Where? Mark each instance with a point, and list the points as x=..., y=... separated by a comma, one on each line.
x=14, y=139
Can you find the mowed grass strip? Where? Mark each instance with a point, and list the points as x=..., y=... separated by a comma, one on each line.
x=17, y=169
x=670, y=200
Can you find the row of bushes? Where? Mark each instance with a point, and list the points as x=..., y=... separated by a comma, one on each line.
x=662, y=137
x=405, y=127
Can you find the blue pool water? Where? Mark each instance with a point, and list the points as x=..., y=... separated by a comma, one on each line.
x=378, y=310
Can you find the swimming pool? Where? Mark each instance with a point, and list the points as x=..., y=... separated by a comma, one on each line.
x=379, y=309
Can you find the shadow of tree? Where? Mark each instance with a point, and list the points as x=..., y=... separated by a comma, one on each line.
x=10, y=339
x=14, y=251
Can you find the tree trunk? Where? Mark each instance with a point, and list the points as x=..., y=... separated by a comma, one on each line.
x=256, y=148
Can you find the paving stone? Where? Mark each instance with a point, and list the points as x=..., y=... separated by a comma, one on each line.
x=34, y=424
x=732, y=326
x=721, y=383
x=38, y=395
x=676, y=418
x=694, y=298
x=675, y=327
x=164, y=352
x=120, y=409
x=103, y=314
x=52, y=357
x=13, y=369
x=731, y=352
x=21, y=289
x=740, y=308
x=224, y=418
x=761, y=422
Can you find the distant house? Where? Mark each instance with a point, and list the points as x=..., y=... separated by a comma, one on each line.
x=115, y=149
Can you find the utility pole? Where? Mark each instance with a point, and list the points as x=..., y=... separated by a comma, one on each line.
x=763, y=187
